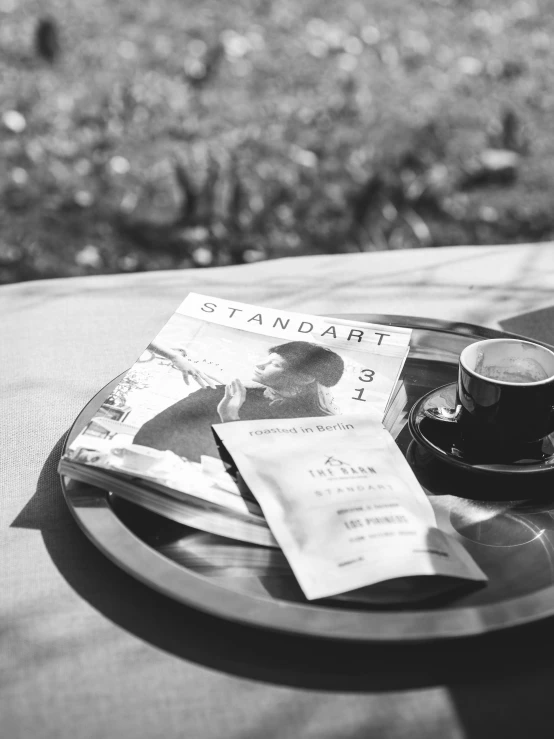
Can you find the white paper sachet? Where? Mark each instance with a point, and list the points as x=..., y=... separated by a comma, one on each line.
x=342, y=502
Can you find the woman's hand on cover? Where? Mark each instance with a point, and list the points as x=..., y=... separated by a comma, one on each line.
x=178, y=357
x=189, y=371
x=232, y=402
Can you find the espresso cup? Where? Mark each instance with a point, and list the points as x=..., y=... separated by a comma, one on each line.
x=505, y=394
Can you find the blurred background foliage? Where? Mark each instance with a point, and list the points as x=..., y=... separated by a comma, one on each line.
x=166, y=134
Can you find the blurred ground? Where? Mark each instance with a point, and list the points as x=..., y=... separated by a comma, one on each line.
x=168, y=134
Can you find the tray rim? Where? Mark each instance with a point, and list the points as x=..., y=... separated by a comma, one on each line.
x=91, y=508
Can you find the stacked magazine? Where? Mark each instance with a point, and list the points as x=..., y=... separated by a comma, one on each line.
x=219, y=361
x=275, y=429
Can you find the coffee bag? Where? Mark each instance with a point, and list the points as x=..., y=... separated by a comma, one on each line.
x=342, y=502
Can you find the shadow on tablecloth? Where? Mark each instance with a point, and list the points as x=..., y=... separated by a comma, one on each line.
x=254, y=653
x=538, y=324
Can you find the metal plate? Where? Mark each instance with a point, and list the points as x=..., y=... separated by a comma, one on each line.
x=512, y=541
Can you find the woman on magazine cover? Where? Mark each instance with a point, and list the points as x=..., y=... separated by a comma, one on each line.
x=292, y=380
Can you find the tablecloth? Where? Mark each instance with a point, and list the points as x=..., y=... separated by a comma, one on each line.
x=87, y=651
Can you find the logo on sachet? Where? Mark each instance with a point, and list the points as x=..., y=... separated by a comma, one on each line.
x=334, y=462
x=339, y=469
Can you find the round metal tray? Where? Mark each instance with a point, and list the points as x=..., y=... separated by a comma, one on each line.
x=509, y=535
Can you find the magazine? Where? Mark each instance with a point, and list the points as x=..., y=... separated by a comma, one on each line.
x=219, y=361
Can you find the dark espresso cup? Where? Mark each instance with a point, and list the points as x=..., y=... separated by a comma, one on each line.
x=505, y=395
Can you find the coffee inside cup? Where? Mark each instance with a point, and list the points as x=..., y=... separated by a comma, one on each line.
x=509, y=361
x=512, y=369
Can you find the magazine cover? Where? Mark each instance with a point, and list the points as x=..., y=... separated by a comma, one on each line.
x=219, y=361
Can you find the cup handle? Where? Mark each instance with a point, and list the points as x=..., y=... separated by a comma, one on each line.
x=443, y=413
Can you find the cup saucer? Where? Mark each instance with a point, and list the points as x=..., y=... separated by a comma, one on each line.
x=442, y=440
